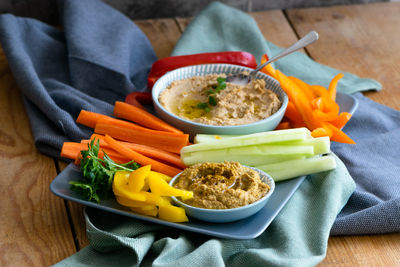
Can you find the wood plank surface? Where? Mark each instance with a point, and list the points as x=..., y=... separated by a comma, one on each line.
x=361, y=39
x=76, y=210
x=162, y=33
x=34, y=225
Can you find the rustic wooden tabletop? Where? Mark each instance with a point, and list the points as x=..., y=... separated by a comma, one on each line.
x=39, y=229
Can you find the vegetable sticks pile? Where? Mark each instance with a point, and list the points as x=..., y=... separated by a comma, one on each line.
x=144, y=139
x=311, y=106
x=283, y=154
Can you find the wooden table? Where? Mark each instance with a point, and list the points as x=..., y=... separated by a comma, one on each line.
x=39, y=229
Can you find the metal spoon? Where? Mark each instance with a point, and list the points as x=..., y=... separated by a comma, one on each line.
x=243, y=79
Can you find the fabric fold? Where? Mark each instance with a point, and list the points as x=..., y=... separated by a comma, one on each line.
x=98, y=57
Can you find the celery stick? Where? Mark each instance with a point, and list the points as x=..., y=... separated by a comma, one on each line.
x=321, y=144
x=236, y=153
x=298, y=167
x=251, y=139
x=249, y=160
x=205, y=138
x=272, y=150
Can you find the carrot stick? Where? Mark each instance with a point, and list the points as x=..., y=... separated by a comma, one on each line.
x=332, y=86
x=72, y=150
x=171, y=142
x=139, y=158
x=142, y=117
x=89, y=118
x=147, y=151
x=341, y=120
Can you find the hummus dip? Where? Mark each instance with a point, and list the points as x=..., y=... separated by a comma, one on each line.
x=221, y=185
x=235, y=105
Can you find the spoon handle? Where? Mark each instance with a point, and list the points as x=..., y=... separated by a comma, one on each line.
x=310, y=38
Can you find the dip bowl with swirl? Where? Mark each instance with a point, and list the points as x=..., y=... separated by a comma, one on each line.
x=228, y=214
x=194, y=127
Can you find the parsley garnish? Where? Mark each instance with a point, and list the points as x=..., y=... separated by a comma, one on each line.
x=98, y=174
x=211, y=94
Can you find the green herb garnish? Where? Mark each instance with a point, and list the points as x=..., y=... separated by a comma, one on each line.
x=212, y=101
x=216, y=88
x=98, y=174
x=221, y=80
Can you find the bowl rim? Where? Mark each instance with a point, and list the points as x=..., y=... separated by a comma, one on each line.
x=155, y=96
x=238, y=209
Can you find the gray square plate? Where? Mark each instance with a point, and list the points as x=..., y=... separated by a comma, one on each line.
x=248, y=228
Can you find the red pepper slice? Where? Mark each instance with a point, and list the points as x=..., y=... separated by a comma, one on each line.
x=139, y=98
x=162, y=66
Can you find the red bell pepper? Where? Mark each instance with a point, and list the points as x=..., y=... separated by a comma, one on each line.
x=162, y=66
x=139, y=98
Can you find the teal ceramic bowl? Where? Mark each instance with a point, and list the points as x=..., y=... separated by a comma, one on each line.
x=194, y=128
x=227, y=215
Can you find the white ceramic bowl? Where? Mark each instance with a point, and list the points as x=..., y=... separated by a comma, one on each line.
x=193, y=128
x=227, y=215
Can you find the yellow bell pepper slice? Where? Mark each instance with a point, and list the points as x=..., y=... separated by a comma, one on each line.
x=137, y=177
x=158, y=200
x=172, y=214
x=120, y=187
x=160, y=187
x=130, y=203
x=147, y=210
x=162, y=175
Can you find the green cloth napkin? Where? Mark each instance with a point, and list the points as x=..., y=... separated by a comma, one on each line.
x=299, y=234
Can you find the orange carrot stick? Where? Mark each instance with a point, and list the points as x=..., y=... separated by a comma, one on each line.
x=171, y=142
x=89, y=118
x=147, y=151
x=332, y=86
x=139, y=158
x=142, y=117
x=72, y=150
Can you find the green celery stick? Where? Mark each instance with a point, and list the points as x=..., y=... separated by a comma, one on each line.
x=298, y=167
x=321, y=144
x=251, y=139
x=273, y=150
x=205, y=138
x=249, y=160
